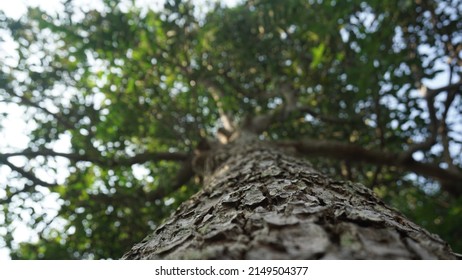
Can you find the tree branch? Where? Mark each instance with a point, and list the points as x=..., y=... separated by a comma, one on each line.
x=292, y=105
x=151, y=156
x=140, y=158
x=28, y=102
x=433, y=127
x=434, y=92
x=430, y=95
x=184, y=174
x=444, y=131
x=217, y=96
x=258, y=124
x=326, y=119
x=357, y=153
x=26, y=174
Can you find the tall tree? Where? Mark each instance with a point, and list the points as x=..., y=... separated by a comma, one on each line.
x=151, y=102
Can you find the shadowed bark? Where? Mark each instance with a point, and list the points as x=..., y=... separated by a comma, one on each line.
x=260, y=202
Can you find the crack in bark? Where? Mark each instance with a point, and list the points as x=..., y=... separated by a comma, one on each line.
x=261, y=203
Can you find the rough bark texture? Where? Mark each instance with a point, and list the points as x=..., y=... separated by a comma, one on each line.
x=260, y=202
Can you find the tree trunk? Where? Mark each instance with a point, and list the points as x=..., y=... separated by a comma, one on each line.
x=261, y=202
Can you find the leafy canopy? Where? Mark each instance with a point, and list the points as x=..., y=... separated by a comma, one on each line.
x=122, y=96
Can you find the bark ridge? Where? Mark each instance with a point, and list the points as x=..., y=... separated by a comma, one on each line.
x=260, y=202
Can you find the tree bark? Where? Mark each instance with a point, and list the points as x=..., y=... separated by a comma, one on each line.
x=261, y=202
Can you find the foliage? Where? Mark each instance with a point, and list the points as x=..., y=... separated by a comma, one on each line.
x=119, y=83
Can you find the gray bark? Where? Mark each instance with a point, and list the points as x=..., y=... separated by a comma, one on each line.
x=261, y=202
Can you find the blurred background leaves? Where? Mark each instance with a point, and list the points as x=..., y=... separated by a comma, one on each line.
x=102, y=86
